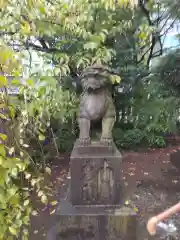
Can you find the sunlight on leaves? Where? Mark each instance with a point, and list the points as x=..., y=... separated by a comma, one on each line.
x=35, y=231
x=53, y=203
x=3, y=81
x=26, y=202
x=41, y=137
x=3, y=136
x=2, y=150
x=48, y=170
x=44, y=199
x=13, y=231
x=34, y=213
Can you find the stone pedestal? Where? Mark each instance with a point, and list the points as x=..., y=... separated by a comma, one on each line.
x=93, y=222
x=91, y=208
x=95, y=174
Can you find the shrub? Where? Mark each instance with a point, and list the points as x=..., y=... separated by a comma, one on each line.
x=155, y=140
x=136, y=138
x=65, y=139
x=128, y=139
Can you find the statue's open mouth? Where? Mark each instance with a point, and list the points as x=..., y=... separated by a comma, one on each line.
x=93, y=87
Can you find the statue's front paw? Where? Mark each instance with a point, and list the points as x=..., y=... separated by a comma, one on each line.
x=106, y=141
x=84, y=141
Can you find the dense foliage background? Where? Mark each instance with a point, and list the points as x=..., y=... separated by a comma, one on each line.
x=65, y=37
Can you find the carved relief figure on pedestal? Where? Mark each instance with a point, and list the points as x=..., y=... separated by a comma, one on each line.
x=105, y=183
x=89, y=181
x=96, y=103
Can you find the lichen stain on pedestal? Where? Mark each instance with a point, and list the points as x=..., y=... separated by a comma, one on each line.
x=118, y=226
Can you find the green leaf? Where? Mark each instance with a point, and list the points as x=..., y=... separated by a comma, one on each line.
x=40, y=193
x=3, y=136
x=14, y=172
x=54, y=203
x=21, y=154
x=27, y=175
x=11, y=150
x=33, y=182
x=11, y=111
x=3, y=81
x=26, y=220
x=97, y=38
x=25, y=145
x=42, y=9
x=41, y=137
x=12, y=191
x=48, y=170
x=10, y=238
x=15, y=82
x=1, y=160
x=65, y=6
x=26, y=202
x=3, y=116
x=13, y=231
x=22, y=165
x=2, y=150
x=91, y=45
x=44, y=199
x=34, y=213
x=115, y=78
x=30, y=82
x=25, y=28
x=15, y=200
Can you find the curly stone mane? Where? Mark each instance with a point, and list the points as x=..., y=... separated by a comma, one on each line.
x=95, y=77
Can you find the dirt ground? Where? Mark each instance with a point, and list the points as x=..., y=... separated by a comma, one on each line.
x=151, y=184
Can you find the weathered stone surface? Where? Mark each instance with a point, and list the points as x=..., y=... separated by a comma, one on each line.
x=93, y=149
x=95, y=174
x=103, y=222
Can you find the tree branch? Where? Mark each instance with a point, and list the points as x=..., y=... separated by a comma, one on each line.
x=146, y=12
x=170, y=26
x=155, y=36
x=7, y=33
x=29, y=45
x=143, y=56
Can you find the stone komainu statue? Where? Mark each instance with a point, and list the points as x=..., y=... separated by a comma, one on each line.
x=96, y=103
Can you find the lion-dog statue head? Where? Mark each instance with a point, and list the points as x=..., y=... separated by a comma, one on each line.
x=95, y=77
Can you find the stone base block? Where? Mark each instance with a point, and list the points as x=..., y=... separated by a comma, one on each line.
x=93, y=223
x=95, y=174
